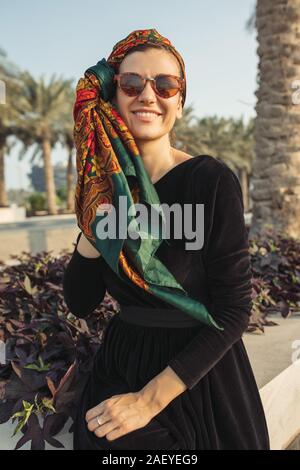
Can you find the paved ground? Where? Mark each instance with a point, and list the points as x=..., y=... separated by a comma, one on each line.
x=270, y=353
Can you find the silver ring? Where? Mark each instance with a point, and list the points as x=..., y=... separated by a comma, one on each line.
x=100, y=424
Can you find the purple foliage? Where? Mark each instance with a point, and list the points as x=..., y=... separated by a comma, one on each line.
x=275, y=262
x=48, y=350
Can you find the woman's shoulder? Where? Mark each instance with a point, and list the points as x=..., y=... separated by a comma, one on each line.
x=210, y=164
x=201, y=175
x=209, y=176
x=209, y=169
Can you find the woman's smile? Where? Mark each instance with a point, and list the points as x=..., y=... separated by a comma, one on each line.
x=146, y=117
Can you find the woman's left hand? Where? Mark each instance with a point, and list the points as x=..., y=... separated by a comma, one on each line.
x=120, y=414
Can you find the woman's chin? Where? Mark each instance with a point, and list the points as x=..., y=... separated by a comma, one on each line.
x=145, y=136
x=145, y=133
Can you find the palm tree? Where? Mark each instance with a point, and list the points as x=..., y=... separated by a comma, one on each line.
x=69, y=143
x=42, y=108
x=230, y=140
x=67, y=140
x=9, y=74
x=276, y=170
x=183, y=132
x=241, y=158
x=227, y=139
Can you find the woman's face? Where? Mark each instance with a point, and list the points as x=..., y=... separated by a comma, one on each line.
x=149, y=63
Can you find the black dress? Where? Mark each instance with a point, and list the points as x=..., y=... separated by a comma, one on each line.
x=221, y=407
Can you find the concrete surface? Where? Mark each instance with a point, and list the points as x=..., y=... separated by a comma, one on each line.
x=281, y=401
x=271, y=352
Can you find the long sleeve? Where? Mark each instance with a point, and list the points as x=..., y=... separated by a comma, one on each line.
x=83, y=285
x=228, y=270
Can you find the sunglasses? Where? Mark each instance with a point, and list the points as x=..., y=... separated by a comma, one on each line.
x=132, y=84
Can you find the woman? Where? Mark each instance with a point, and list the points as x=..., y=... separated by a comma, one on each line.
x=161, y=379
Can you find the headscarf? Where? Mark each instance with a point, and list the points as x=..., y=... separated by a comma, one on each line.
x=109, y=166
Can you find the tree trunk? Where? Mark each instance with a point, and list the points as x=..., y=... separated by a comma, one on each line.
x=276, y=169
x=49, y=177
x=3, y=194
x=70, y=188
x=245, y=190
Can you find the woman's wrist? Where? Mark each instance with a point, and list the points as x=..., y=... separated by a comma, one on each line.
x=86, y=249
x=162, y=389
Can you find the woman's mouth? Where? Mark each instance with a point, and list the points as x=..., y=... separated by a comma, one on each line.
x=146, y=117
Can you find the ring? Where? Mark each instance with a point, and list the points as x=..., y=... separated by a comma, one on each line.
x=100, y=424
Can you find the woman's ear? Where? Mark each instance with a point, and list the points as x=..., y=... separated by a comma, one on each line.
x=180, y=102
x=179, y=108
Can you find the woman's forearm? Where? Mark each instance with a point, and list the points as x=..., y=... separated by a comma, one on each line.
x=162, y=389
x=86, y=249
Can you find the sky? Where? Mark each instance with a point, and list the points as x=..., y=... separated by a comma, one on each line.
x=65, y=37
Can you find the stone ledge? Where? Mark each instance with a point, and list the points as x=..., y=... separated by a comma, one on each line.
x=281, y=402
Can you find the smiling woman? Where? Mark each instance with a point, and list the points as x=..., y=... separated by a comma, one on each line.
x=135, y=96
x=172, y=371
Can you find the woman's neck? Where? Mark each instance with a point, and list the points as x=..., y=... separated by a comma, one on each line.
x=158, y=157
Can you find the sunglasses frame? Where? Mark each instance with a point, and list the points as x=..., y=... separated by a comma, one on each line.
x=180, y=82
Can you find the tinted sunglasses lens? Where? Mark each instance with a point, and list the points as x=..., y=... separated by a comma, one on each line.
x=167, y=86
x=131, y=84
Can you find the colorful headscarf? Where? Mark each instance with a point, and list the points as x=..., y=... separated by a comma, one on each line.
x=109, y=166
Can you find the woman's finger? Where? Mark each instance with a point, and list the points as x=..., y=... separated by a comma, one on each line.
x=93, y=412
x=93, y=424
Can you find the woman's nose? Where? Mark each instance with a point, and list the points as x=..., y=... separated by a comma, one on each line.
x=148, y=93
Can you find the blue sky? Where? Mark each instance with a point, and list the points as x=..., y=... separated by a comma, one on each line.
x=66, y=37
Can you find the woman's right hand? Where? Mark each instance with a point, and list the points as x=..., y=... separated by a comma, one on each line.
x=86, y=249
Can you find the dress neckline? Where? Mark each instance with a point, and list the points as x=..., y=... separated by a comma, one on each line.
x=173, y=168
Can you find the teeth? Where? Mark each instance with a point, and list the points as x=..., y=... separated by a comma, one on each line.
x=145, y=114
